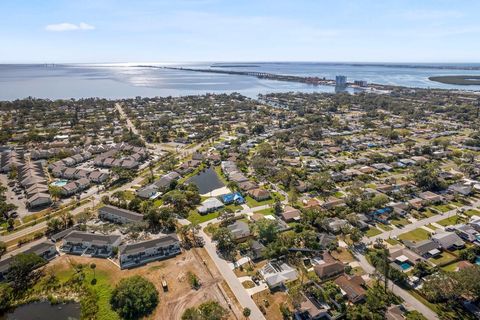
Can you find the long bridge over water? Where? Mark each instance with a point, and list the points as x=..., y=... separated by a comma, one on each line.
x=262, y=75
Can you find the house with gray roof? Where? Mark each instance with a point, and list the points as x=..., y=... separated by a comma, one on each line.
x=426, y=248
x=140, y=253
x=448, y=240
x=239, y=230
x=210, y=205
x=119, y=215
x=85, y=243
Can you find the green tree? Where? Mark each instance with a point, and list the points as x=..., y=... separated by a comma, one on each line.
x=6, y=294
x=225, y=242
x=134, y=297
x=266, y=230
x=427, y=178
x=210, y=310
x=246, y=312
x=23, y=270
x=93, y=266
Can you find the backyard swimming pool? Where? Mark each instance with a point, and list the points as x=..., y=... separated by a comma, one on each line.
x=405, y=266
x=59, y=183
x=477, y=261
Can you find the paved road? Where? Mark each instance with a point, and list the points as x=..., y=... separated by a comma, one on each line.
x=237, y=288
x=420, y=223
x=411, y=302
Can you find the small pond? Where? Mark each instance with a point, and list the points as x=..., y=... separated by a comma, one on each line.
x=43, y=310
x=206, y=181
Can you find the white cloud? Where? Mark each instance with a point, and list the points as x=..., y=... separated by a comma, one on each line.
x=65, y=26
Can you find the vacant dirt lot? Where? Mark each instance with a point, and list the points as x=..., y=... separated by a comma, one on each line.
x=179, y=295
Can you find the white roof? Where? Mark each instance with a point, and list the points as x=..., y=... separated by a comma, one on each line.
x=402, y=258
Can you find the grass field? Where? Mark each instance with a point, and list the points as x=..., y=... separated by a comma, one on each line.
x=254, y=203
x=472, y=212
x=450, y=221
x=384, y=227
x=442, y=207
x=443, y=259
x=399, y=222
x=268, y=211
x=392, y=241
x=102, y=289
x=415, y=235
x=371, y=232
x=195, y=217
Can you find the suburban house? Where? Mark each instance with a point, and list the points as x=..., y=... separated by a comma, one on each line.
x=257, y=249
x=99, y=245
x=329, y=267
x=402, y=258
x=325, y=240
x=426, y=248
x=259, y=194
x=352, y=287
x=118, y=215
x=148, y=192
x=230, y=198
x=431, y=197
x=239, y=230
x=277, y=274
x=312, y=309
x=136, y=254
x=290, y=214
x=210, y=205
x=448, y=240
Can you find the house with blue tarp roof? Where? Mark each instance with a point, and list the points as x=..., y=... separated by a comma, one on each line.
x=382, y=215
x=230, y=198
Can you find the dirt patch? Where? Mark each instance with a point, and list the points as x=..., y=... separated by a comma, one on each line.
x=248, y=284
x=249, y=269
x=179, y=295
x=343, y=255
x=270, y=301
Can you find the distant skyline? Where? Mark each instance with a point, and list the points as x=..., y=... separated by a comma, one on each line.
x=96, y=31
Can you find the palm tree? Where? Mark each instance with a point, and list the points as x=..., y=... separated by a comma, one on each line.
x=93, y=266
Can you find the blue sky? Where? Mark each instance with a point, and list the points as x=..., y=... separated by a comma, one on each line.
x=239, y=30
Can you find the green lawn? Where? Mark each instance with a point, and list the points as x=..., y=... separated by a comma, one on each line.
x=452, y=267
x=384, y=227
x=472, y=212
x=268, y=211
x=399, y=222
x=371, y=232
x=442, y=207
x=415, y=235
x=220, y=175
x=431, y=226
x=254, y=203
x=392, y=241
x=428, y=213
x=102, y=288
x=195, y=217
x=443, y=259
x=450, y=221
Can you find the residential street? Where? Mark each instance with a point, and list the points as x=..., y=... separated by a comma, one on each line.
x=411, y=302
x=237, y=288
x=420, y=223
